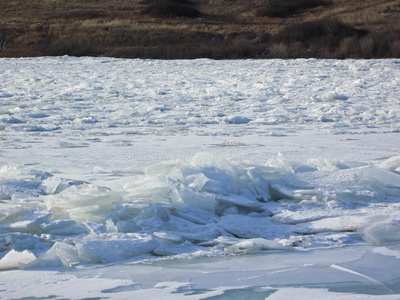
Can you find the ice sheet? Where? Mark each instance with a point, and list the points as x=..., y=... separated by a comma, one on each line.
x=108, y=161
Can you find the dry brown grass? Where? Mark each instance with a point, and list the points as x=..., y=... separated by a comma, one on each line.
x=226, y=29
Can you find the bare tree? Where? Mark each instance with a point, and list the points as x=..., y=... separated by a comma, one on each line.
x=2, y=42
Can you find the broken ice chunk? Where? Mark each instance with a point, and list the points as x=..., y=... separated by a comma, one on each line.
x=13, y=259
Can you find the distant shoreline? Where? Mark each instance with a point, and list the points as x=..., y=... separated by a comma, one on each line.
x=219, y=29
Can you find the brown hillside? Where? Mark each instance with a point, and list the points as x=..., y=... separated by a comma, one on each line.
x=222, y=29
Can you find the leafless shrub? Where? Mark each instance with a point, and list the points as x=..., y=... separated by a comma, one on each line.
x=367, y=47
x=278, y=50
x=395, y=48
x=2, y=42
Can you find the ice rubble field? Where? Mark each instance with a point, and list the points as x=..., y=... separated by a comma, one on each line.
x=199, y=179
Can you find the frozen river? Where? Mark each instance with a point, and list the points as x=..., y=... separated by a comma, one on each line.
x=199, y=179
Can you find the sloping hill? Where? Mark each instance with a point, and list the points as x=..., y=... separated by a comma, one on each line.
x=202, y=28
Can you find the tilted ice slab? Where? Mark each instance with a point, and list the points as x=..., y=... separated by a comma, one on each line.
x=201, y=209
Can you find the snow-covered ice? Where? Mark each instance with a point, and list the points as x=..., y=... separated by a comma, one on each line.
x=199, y=179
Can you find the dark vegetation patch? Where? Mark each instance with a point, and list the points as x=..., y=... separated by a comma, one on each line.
x=328, y=33
x=331, y=38
x=285, y=8
x=172, y=8
x=380, y=44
